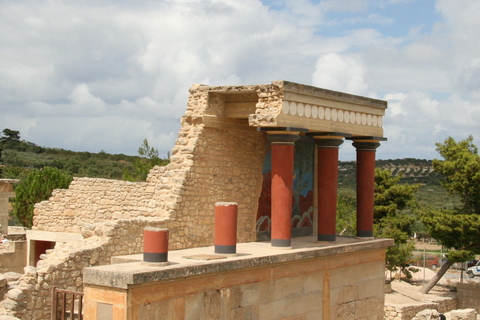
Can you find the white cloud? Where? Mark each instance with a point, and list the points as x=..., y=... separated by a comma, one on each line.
x=340, y=73
x=104, y=75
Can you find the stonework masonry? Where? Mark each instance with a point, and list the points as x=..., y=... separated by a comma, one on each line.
x=208, y=165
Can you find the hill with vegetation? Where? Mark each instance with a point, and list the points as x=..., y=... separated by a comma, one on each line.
x=19, y=157
x=411, y=171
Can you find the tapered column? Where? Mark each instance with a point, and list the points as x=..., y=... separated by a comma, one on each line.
x=327, y=155
x=365, y=186
x=226, y=227
x=283, y=148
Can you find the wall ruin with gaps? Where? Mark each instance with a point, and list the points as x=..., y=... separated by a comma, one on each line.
x=208, y=165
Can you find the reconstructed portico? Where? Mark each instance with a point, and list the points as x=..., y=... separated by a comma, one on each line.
x=272, y=150
x=329, y=117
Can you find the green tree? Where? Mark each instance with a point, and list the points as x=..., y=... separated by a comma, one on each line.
x=141, y=167
x=457, y=228
x=10, y=136
x=36, y=187
x=393, y=217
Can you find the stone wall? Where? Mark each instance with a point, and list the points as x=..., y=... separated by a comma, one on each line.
x=468, y=296
x=91, y=201
x=208, y=165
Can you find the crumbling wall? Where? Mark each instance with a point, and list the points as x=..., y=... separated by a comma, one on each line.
x=208, y=165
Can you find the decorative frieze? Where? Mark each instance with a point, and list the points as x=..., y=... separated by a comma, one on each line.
x=319, y=112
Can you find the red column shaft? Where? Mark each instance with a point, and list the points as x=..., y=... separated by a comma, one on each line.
x=365, y=191
x=282, y=188
x=327, y=192
x=226, y=227
x=155, y=244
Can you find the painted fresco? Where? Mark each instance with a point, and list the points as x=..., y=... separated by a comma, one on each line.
x=302, y=213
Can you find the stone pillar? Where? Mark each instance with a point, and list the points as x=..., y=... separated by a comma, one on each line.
x=365, y=185
x=6, y=191
x=327, y=157
x=283, y=149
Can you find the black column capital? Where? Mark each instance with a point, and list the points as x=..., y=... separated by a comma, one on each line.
x=328, y=143
x=366, y=145
x=282, y=138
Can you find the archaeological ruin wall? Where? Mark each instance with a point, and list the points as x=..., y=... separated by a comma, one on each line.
x=218, y=157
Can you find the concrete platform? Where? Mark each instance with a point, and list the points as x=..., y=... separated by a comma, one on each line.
x=128, y=270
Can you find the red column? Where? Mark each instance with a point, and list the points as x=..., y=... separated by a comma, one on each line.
x=226, y=227
x=155, y=245
x=365, y=186
x=282, y=146
x=327, y=150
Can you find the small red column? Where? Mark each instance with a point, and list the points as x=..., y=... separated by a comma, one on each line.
x=226, y=227
x=283, y=148
x=155, y=245
x=327, y=150
x=365, y=186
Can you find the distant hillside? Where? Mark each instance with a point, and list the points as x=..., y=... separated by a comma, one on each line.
x=18, y=157
x=412, y=170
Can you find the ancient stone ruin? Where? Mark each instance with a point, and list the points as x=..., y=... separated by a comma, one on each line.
x=273, y=150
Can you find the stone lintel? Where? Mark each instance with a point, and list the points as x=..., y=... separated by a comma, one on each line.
x=250, y=255
x=52, y=236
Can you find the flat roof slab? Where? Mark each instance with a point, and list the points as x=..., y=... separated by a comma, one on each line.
x=249, y=255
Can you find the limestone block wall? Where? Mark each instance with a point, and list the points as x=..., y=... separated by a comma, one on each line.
x=228, y=168
x=89, y=201
x=342, y=286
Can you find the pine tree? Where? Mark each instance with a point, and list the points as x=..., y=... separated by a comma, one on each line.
x=457, y=228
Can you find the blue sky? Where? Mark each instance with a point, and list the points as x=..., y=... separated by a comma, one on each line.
x=91, y=76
